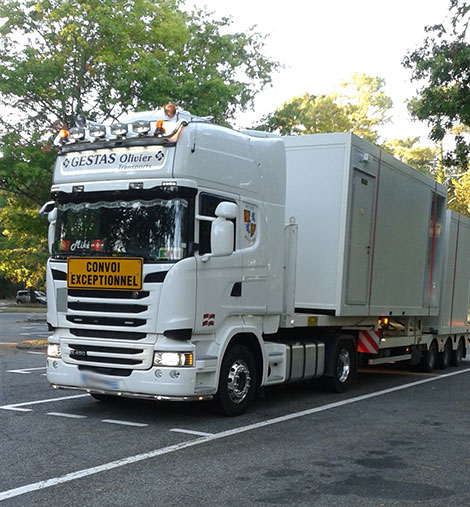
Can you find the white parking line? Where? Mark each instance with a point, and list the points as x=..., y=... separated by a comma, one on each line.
x=26, y=371
x=36, y=353
x=124, y=423
x=37, y=402
x=4, y=495
x=191, y=432
x=68, y=416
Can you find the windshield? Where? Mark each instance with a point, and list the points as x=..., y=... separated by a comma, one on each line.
x=156, y=230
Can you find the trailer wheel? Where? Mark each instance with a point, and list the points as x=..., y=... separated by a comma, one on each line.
x=344, y=368
x=445, y=356
x=457, y=354
x=237, y=381
x=429, y=360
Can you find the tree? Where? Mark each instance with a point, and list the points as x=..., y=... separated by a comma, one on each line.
x=360, y=107
x=441, y=66
x=103, y=58
x=422, y=158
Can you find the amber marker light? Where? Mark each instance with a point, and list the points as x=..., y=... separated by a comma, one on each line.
x=64, y=134
x=170, y=110
x=160, y=129
x=384, y=322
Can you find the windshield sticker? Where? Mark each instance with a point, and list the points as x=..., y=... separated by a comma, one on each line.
x=165, y=254
x=95, y=245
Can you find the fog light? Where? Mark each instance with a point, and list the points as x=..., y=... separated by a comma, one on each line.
x=174, y=374
x=158, y=373
x=55, y=365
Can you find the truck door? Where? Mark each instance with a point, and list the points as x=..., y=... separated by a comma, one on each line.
x=218, y=278
x=360, y=238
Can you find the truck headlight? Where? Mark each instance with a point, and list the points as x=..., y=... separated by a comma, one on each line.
x=173, y=359
x=53, y=350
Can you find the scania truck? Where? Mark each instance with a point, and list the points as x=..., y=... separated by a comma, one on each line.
x=190, y=261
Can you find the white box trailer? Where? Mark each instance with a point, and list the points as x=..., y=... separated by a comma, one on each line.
x=369, y=229
x=454, y=311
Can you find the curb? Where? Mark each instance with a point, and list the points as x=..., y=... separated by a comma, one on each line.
x=32, y=345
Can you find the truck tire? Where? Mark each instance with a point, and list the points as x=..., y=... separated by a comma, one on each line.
x=344, y=367
x=237, y=381
x=429, y=359
x=445, y=356
x=457, y=354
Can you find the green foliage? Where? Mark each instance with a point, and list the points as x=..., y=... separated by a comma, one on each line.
x=441, y=66
x=105, y=57
x=23, y=243
x=422, y=158
x=360, y=107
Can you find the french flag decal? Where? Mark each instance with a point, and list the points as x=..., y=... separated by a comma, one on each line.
x=208, y=319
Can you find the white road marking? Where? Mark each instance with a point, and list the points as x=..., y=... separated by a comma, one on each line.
x=69, y=416
x=191, y=432
x=37, y=402
x=36, y=353
x=4, y=495
x=124, y=423
x=15, y=409
x=26, y=371
x=37, y=333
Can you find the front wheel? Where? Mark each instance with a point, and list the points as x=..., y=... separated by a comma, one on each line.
x=344, y=367
x=237, y=381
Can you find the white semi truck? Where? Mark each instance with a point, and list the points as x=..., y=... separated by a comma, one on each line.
x=190, y=261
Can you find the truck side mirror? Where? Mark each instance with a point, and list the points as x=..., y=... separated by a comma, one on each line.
x=222, y=229
x=52, y=217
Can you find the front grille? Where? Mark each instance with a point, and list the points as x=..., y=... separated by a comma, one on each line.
x=103, y=354
x=111, y=335
x=108, y=294
x=107, y=308
x=106, y=321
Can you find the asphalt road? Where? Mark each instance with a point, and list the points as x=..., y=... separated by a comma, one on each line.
x=396, y=439
x=20, y=326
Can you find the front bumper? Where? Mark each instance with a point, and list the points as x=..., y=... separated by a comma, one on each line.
x=161, y=383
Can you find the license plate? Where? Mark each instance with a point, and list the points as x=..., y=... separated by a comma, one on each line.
x=104, y=273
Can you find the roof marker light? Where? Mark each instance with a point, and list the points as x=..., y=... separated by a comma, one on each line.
x=170, y=110
x=64, y=134
x=77, y=133
x=141, y=127
x=119, y=129
x=160, y=129
x=97, y=131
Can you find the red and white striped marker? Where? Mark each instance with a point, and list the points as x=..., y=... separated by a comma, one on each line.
x=368, y=342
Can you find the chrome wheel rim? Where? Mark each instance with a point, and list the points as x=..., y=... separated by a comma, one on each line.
x=239, y=381
x=343, y=366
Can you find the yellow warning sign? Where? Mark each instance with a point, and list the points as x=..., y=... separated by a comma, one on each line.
x=104, y=273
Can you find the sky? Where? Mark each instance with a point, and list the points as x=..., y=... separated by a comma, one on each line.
x=322, y=43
